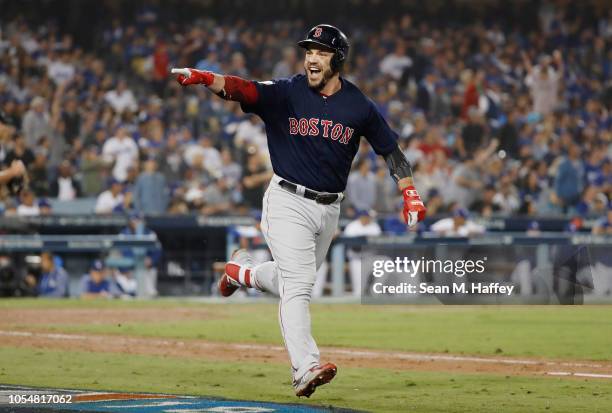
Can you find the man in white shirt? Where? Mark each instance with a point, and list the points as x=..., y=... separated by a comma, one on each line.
x=394, y=64
x=543, y=81
x=211, y=158
x=121, y=150
x=121, y=99
x=110, y=199
x=65, y=187
x=28, y=206
x=363, y=226
x=61, y=71
x=249, y=131
x=457, y=226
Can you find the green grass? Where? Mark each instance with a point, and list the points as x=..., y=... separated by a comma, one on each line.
x=564, y=332
x=33, y=303
x=578, y=332
x=367, y=389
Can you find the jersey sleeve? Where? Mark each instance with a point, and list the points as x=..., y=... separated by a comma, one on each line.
x=271, y=94
x=377, y=131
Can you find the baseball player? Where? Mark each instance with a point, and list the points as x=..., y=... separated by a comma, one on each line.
x=313, y=124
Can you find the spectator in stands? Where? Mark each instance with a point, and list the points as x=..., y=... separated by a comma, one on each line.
x=507, y=197
x=543, y=81
x=426, y=92
x=286, y=67
x=211, y=158
x=54, y=278
x=255, y=180
x=569, y=180
x=39, y=175
x=170, y=164
x=110, y=199
x=386, y=191
x=28, y=205
x=44, y=207
x=94, y=171
x=71, y=121
x=123, y=277
x=121, y=98
x=433, y=142
x=361, y=187
x=36, y=122
x=20, y=152
x=161, y=63
x=396, y=63
x=466, y=183
x=486, y=206
x=121, y=151
x=238, y=65
x=218, y=199
x=230, y=170
x=150, y=191
x=522, y=108
x=458, y=225
x=65, y=187
x=592, y=202
x=364, y=225
x=604, y=225
x=60, y=69
x=96, y=284
x=473, y=132
x=248, y=131
x=508, y=135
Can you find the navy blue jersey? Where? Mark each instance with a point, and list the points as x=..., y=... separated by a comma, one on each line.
x=313, y=139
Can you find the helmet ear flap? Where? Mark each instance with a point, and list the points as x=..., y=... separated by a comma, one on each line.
x=337, y=60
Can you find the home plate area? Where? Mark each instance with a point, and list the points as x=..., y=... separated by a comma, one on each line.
x=21, y=399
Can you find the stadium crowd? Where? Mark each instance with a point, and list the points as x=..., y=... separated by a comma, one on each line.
x=496, y=119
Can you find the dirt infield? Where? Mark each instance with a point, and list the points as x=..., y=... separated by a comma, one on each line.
x=352, y=357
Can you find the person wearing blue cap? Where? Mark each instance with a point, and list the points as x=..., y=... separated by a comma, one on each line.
x=95, y=284
x=54, y=278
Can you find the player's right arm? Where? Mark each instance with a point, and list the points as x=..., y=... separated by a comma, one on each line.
x=225, y=86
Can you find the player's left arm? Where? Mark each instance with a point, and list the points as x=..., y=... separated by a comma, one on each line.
x=401, y=171
x=384, y=142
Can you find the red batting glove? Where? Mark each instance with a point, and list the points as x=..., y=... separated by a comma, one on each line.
x=195, y=77
x=414, y=209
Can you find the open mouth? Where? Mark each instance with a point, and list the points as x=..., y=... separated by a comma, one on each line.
x=314, y=70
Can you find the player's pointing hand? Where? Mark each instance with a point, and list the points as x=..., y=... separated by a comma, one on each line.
x=187, y=76
x=414, y=209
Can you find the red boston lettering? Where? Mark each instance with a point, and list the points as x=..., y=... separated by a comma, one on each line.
x=326, y=125
x=293, y=126
x=336, y=131
x=314, y=130
x=346, y=137
x=303, y=127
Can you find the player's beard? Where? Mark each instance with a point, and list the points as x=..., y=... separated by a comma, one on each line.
x=325, y=76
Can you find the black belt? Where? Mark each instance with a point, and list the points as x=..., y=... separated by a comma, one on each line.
x=324, y=198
